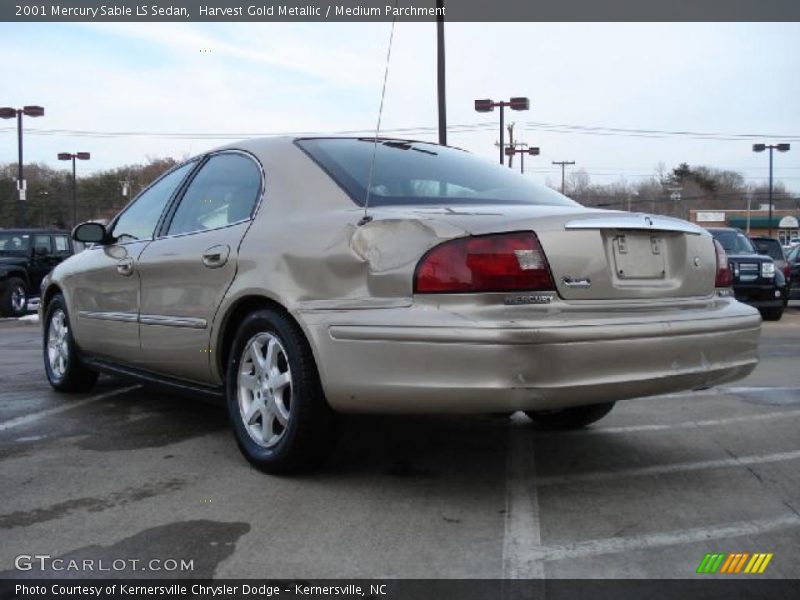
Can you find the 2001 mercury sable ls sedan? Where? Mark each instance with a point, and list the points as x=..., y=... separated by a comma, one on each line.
x=252, y=272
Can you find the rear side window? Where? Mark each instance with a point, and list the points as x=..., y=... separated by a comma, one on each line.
x=421, y=173
x=139, y=220
x=223, y=192
x=42, y=241
x=62, y=244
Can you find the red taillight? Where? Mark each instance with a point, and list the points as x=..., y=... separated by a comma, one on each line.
x=489, y=263
x=724, y=275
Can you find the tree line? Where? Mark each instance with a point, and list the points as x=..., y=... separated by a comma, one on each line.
x=674, y=192
x=102, y=194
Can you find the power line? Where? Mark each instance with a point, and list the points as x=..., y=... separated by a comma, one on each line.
x=559, y=128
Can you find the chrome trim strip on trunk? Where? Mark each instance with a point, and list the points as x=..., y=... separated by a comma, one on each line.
x=190, y=322
x=109, y=316
x=636, y=221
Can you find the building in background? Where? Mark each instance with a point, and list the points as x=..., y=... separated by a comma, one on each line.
x=785, y=222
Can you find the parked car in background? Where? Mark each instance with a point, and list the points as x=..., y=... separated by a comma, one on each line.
x=257, y=273
x=793, y=263
x=771, y=247
x=756, y=280
x=26, y=256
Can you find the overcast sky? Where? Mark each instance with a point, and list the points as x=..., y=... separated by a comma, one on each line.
x=201, y=78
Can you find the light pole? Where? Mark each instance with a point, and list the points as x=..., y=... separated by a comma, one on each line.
x=440, y=73
x=770, y=147
x=484, y=106
x=72, y=157
x=522, y=149
x=9, y=113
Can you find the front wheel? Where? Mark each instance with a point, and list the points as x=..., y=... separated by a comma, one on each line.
x=575, y=417
x=14, y=300
x=772, y=314
x=62, y=363
x=279, y=414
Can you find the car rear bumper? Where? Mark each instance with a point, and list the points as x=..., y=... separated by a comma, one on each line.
x=449, y=365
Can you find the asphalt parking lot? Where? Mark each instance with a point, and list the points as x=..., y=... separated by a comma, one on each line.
x=130, y=473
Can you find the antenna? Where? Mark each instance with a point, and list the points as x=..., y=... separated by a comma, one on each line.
x=366, y=218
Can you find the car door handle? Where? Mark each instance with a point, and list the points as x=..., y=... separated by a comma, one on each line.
x=216, y=256
x=125, y=267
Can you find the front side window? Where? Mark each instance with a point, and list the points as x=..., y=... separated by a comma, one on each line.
x=139, y=220
x=14, y=243
x=421, y=173
x=223, y=192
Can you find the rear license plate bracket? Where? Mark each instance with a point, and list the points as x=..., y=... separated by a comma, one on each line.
x=639, y=256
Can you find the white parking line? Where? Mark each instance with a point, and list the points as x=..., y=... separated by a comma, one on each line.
x=27, y=419
x=522, y=537
x=666, y=469
x=786, y=414
x=670, y=538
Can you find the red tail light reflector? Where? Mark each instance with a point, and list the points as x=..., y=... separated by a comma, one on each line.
x=501, y=262
x=724, y=275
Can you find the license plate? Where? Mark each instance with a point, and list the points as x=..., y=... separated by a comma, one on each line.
x=639, y=256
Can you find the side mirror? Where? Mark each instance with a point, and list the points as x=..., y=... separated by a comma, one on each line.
x=90, y=233
x=41, y=251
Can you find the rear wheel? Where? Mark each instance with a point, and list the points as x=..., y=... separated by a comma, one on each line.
x=62, y=363
x=772, y=314
x=278, y=412
x=574, y=417
x=14, y=301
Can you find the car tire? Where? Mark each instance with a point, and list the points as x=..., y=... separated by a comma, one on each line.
x=575, y=417
x=277, y=409
x=62, y=361
x=772, y=314
x=14, y=301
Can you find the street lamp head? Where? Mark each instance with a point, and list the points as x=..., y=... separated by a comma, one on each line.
x=759, y=147
x=484, y=106
x=64, y=156
x=783, y=147
x=33, y=111
x=510, y=151
x=83, y=156
x=533, y=151
x=519, y=104
x=7, y=112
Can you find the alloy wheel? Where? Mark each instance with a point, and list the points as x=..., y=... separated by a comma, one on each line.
x=265, y=389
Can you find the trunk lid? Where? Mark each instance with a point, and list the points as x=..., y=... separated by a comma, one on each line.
x=598, y=254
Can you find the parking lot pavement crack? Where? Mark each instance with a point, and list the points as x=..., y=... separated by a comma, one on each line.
x=26, y=518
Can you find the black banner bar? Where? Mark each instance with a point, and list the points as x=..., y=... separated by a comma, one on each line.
x=707, y=587
x=402, y=10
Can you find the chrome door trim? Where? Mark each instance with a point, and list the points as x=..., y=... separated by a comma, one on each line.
x=636, y=221
x=190, y=322
x=109, y=316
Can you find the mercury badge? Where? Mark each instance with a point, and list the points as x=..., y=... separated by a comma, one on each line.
x=576, y=282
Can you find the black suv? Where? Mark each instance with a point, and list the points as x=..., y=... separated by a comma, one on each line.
x=26, y=256
x=756, y=280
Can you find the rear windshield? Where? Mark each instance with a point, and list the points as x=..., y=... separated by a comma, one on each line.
x=421, y=173
x=733, y=242
x=771, y=248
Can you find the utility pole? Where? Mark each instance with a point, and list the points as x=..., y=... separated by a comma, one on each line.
x=511, y=145
x=440, y=72
x=563, y=164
